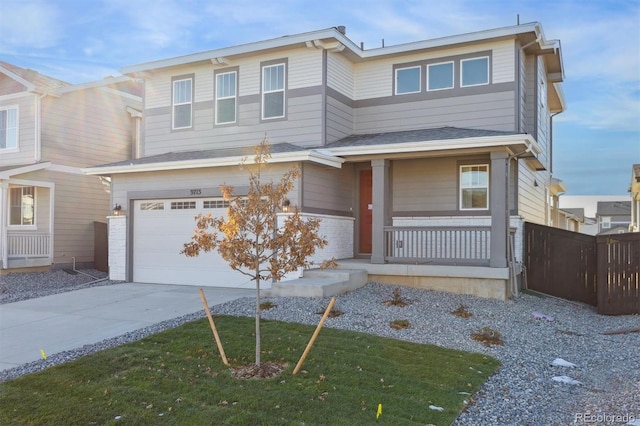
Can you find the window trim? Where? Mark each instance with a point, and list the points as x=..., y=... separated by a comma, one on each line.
x=453, y=78
x=606, y=222
x=35, y=208
x=234, y=97
x=395, y=80
x=475, y=58
x=462, y=188
x=175, y=80
x=264, y=92
x=17, y=128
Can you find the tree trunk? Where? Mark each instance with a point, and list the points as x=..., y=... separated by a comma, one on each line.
x=258, y=318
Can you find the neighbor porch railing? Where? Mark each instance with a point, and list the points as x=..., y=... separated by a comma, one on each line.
x=438, y=245
x=28, y=245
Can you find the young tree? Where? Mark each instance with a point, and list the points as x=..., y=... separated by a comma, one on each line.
x=249, y=237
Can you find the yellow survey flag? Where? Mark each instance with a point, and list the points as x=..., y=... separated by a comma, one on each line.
x=379, y=411
x=44, y=356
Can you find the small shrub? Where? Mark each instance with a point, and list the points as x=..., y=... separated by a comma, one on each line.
x=265, y=306
x=332, y=313
x=399, y=324
x=462, y=312
x=488, y=337
x=397, y=299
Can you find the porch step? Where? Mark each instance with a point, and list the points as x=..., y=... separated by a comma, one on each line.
x=319, y=283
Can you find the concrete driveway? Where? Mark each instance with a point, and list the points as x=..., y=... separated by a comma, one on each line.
x=70, y=320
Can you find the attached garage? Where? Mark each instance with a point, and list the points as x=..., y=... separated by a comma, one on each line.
x=160, y=228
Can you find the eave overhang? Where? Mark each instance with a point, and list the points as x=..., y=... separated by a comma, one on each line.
x=8, y=173
x=311, y=156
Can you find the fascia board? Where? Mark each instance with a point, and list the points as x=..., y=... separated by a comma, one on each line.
x=93, y=84
x=311, y=156
x=440, y=145
x=7, y=174
x=29, y=85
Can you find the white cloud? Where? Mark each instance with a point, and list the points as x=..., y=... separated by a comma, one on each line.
x=29, y=24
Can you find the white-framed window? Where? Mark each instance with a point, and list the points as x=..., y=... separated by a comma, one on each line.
x=606, y=222
x=22, y=206
x=226, y=93
x=182, y=103
x=474, y=187
x=273, y=88
x=408, y=80
x=9, y=127
x=440, y=76
x=152, y=205
x=474, y=72
x=183, y=205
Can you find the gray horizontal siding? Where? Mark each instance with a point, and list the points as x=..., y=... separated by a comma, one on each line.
x=491, y=111
x=339, y=119
x=328, y=190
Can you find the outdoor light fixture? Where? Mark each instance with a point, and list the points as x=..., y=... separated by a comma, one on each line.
x=285, y=205
x=117, y=209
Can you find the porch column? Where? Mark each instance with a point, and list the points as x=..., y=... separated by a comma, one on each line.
x=380, y=195
x=498, y=206
x=4, y=202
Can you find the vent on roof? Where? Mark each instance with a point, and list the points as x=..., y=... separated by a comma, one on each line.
x=342, y=29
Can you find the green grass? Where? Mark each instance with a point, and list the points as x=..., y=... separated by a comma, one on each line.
x=177, y=377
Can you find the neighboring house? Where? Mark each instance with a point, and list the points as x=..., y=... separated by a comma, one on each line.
x=635, y=198
x=613, y=217
x=571, y=219
x=49, y=130
x=421, y=159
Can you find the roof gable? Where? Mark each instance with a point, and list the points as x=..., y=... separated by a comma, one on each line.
x=27, y=79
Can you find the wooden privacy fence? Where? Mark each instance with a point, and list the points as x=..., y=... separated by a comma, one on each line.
x=602, y=271
x=618, y=277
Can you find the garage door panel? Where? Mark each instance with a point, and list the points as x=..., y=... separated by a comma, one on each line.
x=158, y=238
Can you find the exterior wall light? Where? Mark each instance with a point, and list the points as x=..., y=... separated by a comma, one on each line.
x=117, y=210
x=285, y=205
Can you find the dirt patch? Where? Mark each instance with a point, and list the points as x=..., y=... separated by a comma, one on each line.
x=266, y=370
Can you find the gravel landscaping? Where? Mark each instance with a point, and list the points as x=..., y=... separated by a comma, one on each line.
x=527, y=389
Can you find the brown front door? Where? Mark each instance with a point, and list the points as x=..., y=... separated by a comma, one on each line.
x=366, y=212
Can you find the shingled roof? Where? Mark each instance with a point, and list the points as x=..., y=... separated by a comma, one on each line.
x=42, y=82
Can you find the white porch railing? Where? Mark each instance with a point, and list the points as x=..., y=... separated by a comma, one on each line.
x=28, y=245
x=438, y=245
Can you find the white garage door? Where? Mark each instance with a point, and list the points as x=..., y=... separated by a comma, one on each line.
x=161, y=227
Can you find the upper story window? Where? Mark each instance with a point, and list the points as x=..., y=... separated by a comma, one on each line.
x=408, y=80
x=22, y=206
x=440, y=76
x=606, y=222
x=9, y=128
x=273, y=91
x=182, y=103
x=226, y=94
x=474, y=72
x=474, y=187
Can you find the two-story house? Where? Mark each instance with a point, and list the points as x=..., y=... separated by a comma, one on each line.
x=422, y=159
x=49, y=130
x=613, y=217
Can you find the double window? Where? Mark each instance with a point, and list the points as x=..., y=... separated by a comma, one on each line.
x=22, y=206
x=226, y=97
x=273, y=91
x=9, y=128
x=182, y=103
x=474, y=187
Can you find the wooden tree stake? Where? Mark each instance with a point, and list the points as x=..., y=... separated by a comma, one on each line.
x=315, y=335
x=213, y=328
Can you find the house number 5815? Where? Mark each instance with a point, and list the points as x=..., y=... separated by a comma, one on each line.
x=196, y=191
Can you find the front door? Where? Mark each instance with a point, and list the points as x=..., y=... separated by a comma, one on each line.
x=366, y=212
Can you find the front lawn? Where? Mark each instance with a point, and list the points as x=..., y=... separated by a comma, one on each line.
x=177, y=377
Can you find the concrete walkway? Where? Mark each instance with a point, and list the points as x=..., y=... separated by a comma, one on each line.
x=73, y=319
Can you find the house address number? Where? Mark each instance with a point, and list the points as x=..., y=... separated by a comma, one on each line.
x=196, y=192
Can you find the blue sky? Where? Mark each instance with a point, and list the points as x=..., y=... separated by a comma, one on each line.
x=596, y=140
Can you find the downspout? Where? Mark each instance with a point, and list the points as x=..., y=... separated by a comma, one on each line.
x=38, y=129
x=551, y=140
